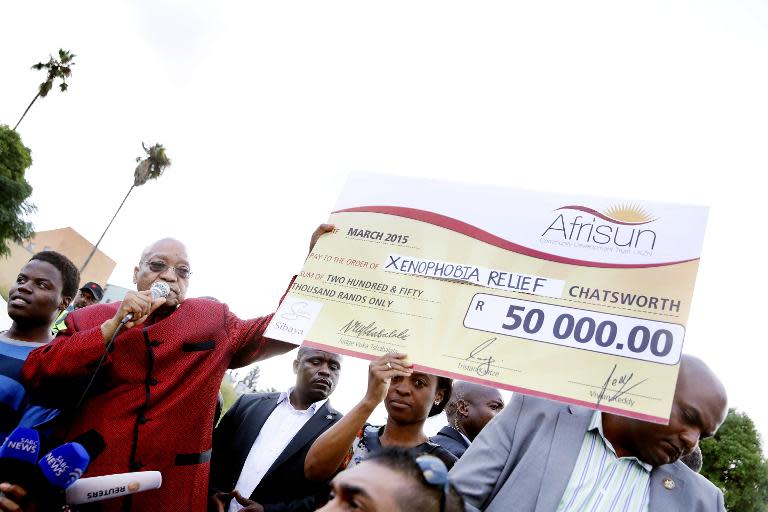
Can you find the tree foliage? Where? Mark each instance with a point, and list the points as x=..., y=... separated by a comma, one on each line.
x=15, y=159
x=734, y=461
x=250, y=380
x=56, y=68
x=228, y=392
x=152, y=166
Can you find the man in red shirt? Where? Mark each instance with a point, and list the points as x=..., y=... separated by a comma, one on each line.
x=155, y=395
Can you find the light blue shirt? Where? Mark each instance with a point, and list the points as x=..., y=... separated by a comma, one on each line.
x=603, y=482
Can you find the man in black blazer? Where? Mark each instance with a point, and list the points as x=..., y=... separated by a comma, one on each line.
x=471, y=407
x=260, y=445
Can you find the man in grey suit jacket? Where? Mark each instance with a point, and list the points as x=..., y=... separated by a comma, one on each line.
x=535, y=454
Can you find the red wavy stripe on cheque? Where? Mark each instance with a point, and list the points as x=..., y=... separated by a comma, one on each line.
x=491, y=239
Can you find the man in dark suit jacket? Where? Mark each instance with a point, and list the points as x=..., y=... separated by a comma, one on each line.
x=260, y=445
x=470, y=409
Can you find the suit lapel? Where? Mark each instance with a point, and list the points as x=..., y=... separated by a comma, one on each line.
x=454, y=434
x=253, y=420
x=667, y=489
x=311, y=429
x=566, y=443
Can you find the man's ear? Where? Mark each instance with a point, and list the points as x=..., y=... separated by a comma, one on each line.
x=295, y=366
x=462, y=407
x=439, y=396
x=135, y=273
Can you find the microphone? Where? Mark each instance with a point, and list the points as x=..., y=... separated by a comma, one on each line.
x=63, y=465
x=18, y=457
x=92, y=441
x=158, y=289
x=99, y=488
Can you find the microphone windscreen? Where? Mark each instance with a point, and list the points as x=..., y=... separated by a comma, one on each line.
x=160, y=289
x=99, y=488
x=23, y=445
x=63, y=465
x=18, y=455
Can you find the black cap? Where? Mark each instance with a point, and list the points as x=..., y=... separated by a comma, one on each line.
x=94, y=288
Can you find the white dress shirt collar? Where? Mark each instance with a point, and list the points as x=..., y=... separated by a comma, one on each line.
x=284, y=395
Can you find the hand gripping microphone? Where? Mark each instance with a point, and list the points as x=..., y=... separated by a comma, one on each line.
x=99, y=488
x=158, y=289
x=18, y=456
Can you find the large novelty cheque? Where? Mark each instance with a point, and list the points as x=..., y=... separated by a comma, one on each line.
x=578, y=299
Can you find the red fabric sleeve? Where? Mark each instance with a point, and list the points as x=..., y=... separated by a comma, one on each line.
x=53, y=370
x=248, y=335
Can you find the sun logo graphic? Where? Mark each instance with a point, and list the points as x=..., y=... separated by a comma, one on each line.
x=629, y=213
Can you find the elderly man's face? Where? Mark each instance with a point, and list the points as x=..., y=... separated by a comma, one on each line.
x=171, y=257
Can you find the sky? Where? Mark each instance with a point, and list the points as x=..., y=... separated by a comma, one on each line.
x=266, y=107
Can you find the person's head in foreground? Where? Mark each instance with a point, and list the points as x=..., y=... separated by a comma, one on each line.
x=471, y=407
x=698, y=409
x=392, y=480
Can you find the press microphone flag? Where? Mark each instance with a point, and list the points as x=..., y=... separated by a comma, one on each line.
x=63, y=465
x=23, y=445
x=158, y=289
x=18, y=456
x=99, y=488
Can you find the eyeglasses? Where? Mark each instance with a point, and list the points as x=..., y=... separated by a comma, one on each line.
x=436, y=474
x=159, y=267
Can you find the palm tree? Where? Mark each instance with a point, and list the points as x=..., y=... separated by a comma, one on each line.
x=61, y=68
x=150, y=167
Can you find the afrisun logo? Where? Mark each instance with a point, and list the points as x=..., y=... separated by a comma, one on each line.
x=622, y=228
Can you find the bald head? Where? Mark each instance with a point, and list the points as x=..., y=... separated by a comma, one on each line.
x=164, y=260
x=695, y=373
x=162, y=243
x=699, y=408
x=472, y=406
x=697, y=385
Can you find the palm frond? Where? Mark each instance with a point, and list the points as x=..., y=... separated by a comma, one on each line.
x=152, y=166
